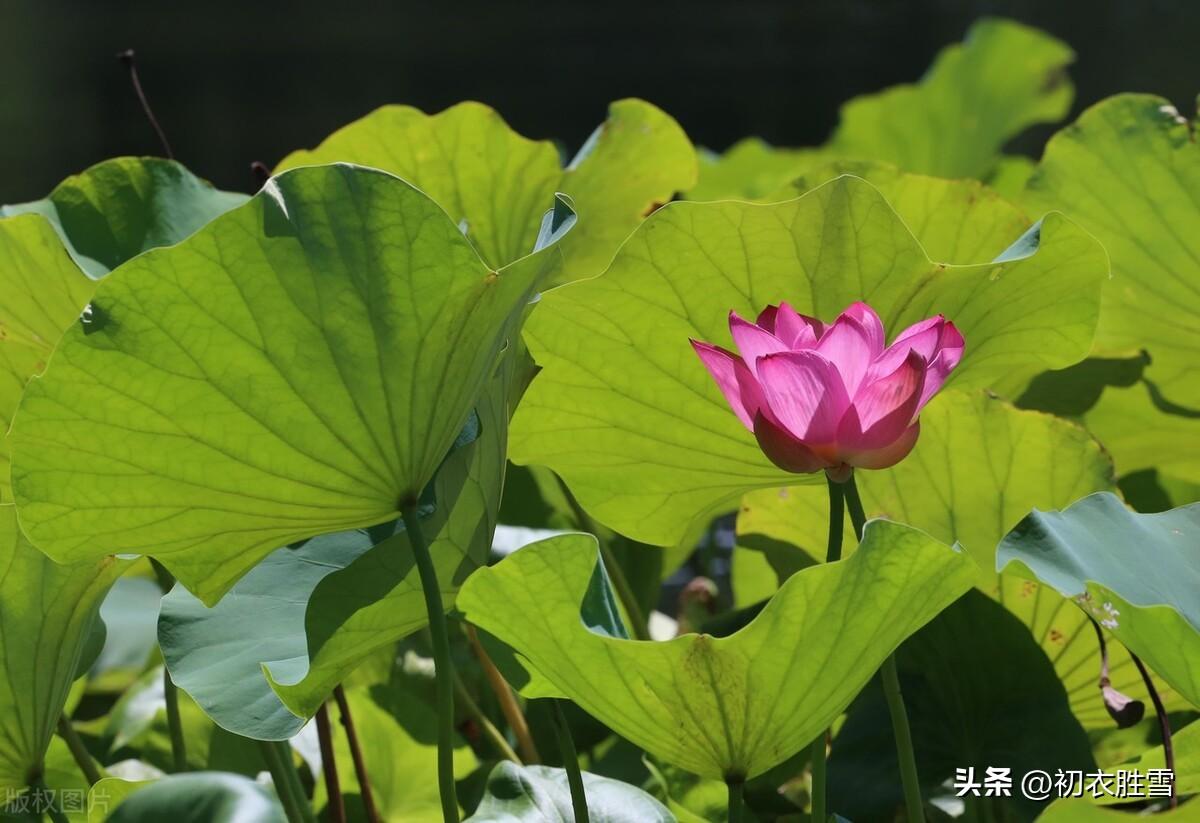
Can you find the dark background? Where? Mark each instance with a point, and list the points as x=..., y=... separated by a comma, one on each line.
x=234, y=82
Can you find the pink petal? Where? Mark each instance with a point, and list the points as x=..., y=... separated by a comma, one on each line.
x=883, y=409
x=870, y=322
x=767, y=318
x=783, y=450
x=848, y=346
x=890, y=454
x=804, y=393
x=798, y=331
x=753, y=341
x=733, y=379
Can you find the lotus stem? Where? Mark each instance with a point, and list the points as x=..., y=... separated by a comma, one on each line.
x=444, y=667
x=891, y=690
x=507, y=700
x=620, y=582
x=333, y=785
x=736, y=799
x=360, y=766
x=566, y=748
x=1164, y=723
x=166, y=581
x=79, y=752
x=494, y=736
x=40, y=790
x=278, y=756
x=819, y=770
x=833, y=553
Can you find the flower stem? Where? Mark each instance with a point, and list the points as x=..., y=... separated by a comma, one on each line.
x=1163, y=721
x=79, y=752
x=566, y=748
x=837, y=517
x=735, y=799
x=278, y=756
x=891, y=690
x=904, y=745
x=333, y=785
x=360, y=766
x=166, y=582
x=505, y=697
x=819, y=754
x=615, y=573
x=444, y=672
x=489, y=728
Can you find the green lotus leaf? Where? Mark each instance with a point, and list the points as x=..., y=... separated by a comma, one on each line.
x=627, y=415
x=1186, y=744
x=118, y=209
x=497, y=183
x=720, y=707
x=199, y=797
x=979, y=693
x=104, y=216
x=1129, y=171
x=961, y=220
x=46, y=611
x=320, y=609
x=972, y=100
x=952, y=124
x=400, y=754
x=752, y=169
x=301, y=365
x=539, y=794
x=1082, y=810
x=978, y=468
x=1136, y=574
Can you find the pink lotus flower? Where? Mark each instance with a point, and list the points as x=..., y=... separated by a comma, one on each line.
x=832, y=397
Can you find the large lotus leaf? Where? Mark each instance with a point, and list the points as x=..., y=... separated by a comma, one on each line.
x=961, y=220
x=1129, y=169
x=321, y=609
x=1186, y=745
x=1136, y=574
x=539, y=794
x=729, y=706
x=1003, y=78
x=1082, y=810
x=400, y=754
x=200, y=797
x=627, y=415
x=752, y=169
x=103, y=216
x=1140, y=433
x=299, y=366
x=978, y=468
x=122, y=207
x=46, y=612
x=979, y=693
x=44, y=291
x=951, y=124
x=498, y=183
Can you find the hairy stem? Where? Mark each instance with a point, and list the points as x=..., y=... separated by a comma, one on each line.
x=615, y=573
x=509, y=706
x=837, y=518
x=1164, y=723
x=79, y=752
x=891, y=689
x=566, y=747
x=333, y=785
x=360, y=766
x=444, y=668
